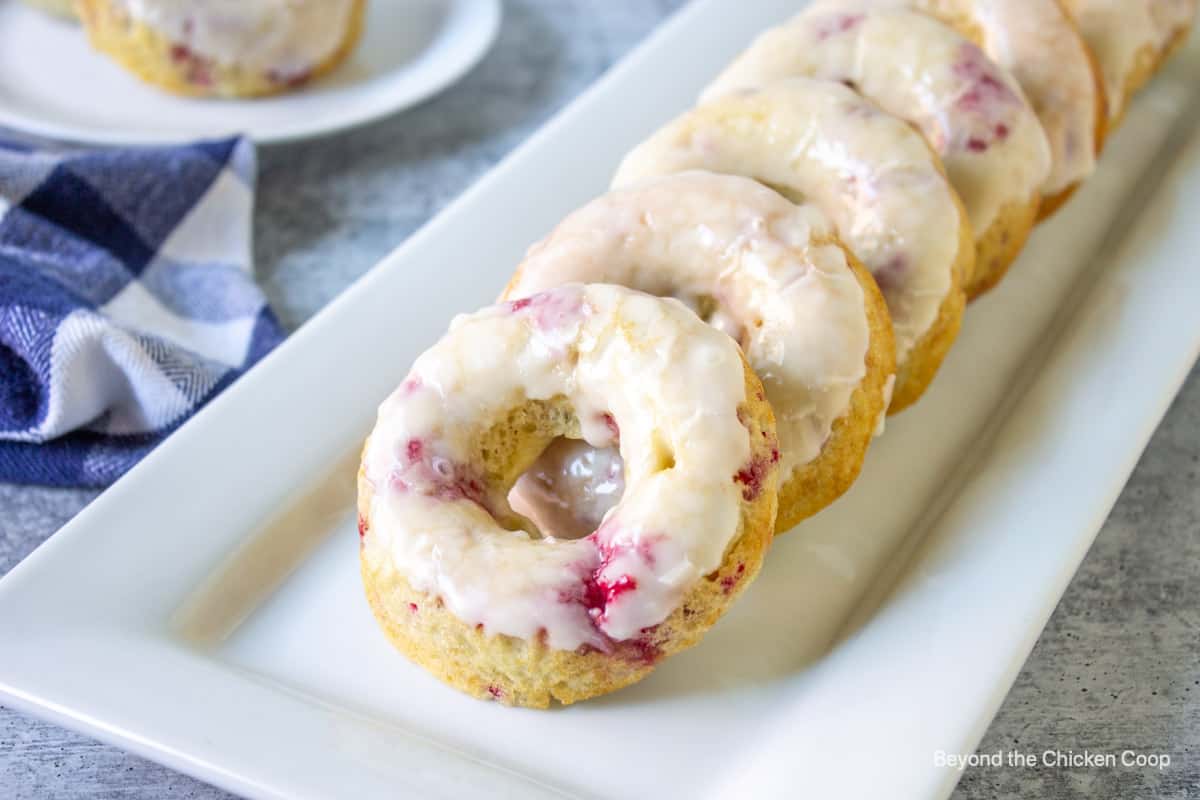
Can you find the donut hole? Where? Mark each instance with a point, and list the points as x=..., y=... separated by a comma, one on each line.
x=710, y=309
x=663, y=454
x=569, y=488
x=553, y=483
x=511, y=443
x=705, y=305
x=790, y=192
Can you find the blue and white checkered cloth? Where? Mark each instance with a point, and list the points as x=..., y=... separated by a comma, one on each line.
x=126, y=301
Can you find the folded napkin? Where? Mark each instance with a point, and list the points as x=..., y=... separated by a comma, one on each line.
x=126, y=301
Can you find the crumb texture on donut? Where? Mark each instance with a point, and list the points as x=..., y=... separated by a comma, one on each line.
x=1000, y=245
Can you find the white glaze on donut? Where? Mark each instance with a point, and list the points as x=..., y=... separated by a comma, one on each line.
x=1038, y=43
x=744, y=257
x=1119, y=30
x=972, y=112
x=284, y=38
x=644, y=367
x=869, y=172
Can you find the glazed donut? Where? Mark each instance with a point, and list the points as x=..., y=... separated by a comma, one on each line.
x=972, y=112
x=1131, y=39
x=224, y=48
x=774, y=277
x=469, y=590
x=1039, y=43
x=881, y=186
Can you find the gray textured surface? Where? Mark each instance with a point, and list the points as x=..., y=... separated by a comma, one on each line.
x=1119, y=665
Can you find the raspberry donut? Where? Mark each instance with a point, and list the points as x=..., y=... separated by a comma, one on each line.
x=471, y=591
x=1039, y=43
x=972, y=112
x=224, y=48
x=1131, y=40
x=881, y=186
x=774, y=277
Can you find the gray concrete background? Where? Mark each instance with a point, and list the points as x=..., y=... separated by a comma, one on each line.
x=1117, y=668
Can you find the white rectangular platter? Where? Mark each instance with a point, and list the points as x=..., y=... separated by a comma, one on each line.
x=206, y=611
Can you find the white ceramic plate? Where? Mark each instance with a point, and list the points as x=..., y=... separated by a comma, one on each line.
x=206, y=611
x=53, y=84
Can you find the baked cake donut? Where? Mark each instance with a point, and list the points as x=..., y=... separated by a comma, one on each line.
x=471, y=591
x=224, y=48
x=774, y=277
x=972, y=112
x=882, y=187
x=1039, y=43
x=1131, y=39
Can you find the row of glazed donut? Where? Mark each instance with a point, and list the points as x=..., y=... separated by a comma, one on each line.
x=931, y=159
x=839, y=193
x=931, y=133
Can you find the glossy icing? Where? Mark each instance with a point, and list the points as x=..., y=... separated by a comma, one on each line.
x=869, y=172
x=760, y=268
x=1037, y=42
x=972, y=112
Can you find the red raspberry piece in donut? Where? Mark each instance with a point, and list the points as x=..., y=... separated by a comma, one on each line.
x=1041, y=46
